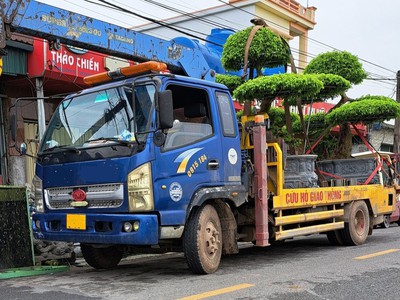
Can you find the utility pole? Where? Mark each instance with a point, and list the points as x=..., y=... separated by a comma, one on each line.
x=396, y=132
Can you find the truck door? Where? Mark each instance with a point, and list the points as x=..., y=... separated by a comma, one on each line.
x=231, y=156
x=191, y=156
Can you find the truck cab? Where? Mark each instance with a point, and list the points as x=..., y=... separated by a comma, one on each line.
x=124, y=163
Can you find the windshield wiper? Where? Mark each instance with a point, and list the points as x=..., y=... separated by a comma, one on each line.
x=62, y=147
x=110, y=139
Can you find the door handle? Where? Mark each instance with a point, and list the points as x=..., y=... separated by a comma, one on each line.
x=213, y=164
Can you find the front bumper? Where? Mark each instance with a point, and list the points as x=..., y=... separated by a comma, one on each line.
x=98, y=229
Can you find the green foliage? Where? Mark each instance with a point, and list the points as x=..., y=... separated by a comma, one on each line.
x=326, y=148
x=277, y=122
x=232, y=82
x=334, y=85
x=366, y=110
x=316, y=123
x=340, y=63
x=239, y=114
x=287, y=86
x=266, y=50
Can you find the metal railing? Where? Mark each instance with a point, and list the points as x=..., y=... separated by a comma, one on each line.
x=308, y=13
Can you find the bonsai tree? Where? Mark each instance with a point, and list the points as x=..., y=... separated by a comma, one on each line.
x=266, y=50
x=363, y=110
x=294, y=89
x=255, y=48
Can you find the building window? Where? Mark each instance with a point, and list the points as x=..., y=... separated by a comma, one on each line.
x=386, y=147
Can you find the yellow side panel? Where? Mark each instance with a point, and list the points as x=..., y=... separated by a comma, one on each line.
x=379, y=197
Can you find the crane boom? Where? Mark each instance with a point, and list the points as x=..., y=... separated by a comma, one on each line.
x=61, y=26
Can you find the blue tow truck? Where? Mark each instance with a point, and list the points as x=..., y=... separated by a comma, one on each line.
x=152, y=158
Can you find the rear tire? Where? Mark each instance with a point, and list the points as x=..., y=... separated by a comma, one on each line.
x=202, y=241
x=355, y=231
x=101, y=258
x=335, y=237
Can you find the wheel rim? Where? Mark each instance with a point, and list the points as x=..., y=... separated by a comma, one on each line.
x=360, y=222
x=212, y=242
x=386, y=220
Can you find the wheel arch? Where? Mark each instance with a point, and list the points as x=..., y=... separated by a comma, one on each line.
x=348, y=206
x=224, y=200
x=373, y=220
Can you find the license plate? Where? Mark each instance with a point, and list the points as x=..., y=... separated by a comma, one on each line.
x=75, y=221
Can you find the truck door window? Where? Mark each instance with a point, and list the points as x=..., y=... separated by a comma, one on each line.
x=192, y=120
x=226, y=113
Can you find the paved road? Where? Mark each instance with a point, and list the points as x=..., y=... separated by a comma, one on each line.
x=305, y=268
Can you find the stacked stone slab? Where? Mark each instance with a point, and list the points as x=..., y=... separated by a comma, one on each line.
x=299, y=171
x=353, y=171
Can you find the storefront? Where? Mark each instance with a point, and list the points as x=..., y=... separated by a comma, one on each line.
x=42, y=72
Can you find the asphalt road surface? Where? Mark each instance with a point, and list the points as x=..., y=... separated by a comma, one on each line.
x=304, y=268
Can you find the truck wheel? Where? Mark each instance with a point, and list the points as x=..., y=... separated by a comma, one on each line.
x=101, y=258
x=202, y=241
x=355, y=231
x=386, y=222
x=335, y=237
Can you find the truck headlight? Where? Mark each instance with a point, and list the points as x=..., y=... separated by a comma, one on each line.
x=38, y=192
x=140, y=189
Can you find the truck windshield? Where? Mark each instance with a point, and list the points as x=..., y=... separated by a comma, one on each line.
x=101, y=117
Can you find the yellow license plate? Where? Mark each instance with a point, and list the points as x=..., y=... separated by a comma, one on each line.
x=75, y=221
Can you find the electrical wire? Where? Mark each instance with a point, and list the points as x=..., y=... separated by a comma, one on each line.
x=310, y=39
x=193, y=16
x=153, y=20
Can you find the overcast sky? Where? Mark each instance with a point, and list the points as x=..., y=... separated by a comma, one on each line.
x=365, y=28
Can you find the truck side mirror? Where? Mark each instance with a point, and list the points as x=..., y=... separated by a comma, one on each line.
x=165, y=110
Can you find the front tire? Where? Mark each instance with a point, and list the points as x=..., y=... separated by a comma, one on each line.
x=355, y=232
x=101, y=258
x=202, y=241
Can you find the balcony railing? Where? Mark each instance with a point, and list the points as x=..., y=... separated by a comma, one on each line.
x=293, y=6
x=306, y=12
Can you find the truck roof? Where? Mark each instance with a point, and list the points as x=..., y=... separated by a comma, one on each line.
x=163, y=77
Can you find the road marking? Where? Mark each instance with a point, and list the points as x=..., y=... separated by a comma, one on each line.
x=229, y=289
x=377, y=254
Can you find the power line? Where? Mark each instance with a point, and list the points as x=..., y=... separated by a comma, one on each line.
x=182, y=29
x=161, y=23
x=310, y=39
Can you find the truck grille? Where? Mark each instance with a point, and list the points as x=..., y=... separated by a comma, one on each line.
x=98, y=196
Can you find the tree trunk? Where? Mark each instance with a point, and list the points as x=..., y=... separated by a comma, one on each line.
x=289, y=127
x=265, y=105
x=345, y=142
x=247, y=108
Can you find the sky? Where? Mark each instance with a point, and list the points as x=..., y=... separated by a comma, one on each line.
x=366, y=28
